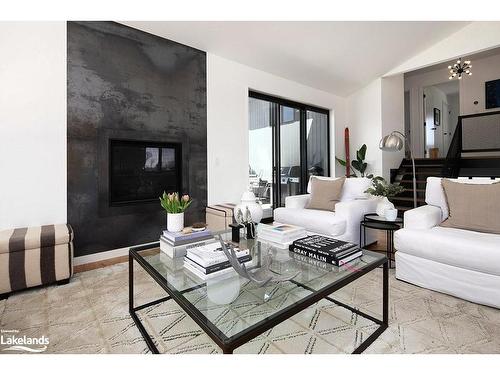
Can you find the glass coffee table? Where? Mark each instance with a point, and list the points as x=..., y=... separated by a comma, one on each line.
x=253, y=309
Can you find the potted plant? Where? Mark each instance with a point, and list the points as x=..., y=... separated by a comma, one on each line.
x=381, y=188
x=357, y=165
x=175, y=207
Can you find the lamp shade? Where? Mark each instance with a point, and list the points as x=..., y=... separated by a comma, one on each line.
x=391, y=142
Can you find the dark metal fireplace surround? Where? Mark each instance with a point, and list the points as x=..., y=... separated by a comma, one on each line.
x=140, y=171
x=136, y=126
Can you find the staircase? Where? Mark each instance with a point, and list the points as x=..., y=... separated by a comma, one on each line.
x=474, y=152
x=423, y=168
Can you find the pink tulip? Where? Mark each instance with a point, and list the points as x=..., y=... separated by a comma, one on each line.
x=185, y=198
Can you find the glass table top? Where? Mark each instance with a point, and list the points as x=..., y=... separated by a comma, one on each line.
x=230, y=304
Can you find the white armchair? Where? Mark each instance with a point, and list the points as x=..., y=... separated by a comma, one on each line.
x=343, y=223
x=459, y=262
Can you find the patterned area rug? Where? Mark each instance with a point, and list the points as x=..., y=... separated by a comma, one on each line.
x=90, y=315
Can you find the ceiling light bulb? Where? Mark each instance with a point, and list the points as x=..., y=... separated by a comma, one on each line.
x=470, y=73
x=458, y=61
x=450, y=78
x=459, y=77
x=449, y=66
x=467, y=62
x=470, y=66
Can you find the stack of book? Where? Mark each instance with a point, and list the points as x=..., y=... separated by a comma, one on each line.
x=175, y=244
x=209, y=260
x=325, y=249
x=280, y=235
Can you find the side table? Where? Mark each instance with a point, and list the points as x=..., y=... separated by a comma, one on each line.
x=373, y=221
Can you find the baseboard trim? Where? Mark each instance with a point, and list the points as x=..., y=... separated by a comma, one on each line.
x=103, y=255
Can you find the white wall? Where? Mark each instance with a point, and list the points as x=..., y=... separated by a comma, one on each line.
x=364, y=113
x=32, y=123
x=392, y=119
x=472, y=87
x=375, y=111
x=228, y=83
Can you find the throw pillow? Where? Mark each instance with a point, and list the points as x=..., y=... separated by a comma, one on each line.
x=472, y=206
x=325, y=194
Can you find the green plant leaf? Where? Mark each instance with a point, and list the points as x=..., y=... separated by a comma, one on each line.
x=356, y=164
x=363, y=168
x=361, y=153
x=340, y=161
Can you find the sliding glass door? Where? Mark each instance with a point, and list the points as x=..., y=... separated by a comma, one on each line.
x=288, y=142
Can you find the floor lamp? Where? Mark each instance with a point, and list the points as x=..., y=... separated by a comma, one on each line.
x=394, y=142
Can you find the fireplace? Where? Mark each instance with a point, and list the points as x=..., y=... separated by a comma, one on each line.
x=139, y=171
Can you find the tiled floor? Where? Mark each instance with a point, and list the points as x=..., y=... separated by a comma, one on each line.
x=90, y=315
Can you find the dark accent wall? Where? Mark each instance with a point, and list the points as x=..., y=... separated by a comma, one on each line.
x=128, y=84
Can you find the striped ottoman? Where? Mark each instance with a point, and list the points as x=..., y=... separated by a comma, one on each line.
x=35, y=256
x=219, y=216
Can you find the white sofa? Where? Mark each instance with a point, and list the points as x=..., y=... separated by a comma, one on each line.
x=343, y=223
x=458, y=262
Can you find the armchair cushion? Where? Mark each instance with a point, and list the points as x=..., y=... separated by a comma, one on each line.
x=316, y=221
x=474, y=251
x=435, y=196
x=325, y=194
x=354, y=211
x=354, y=188
x=297, y=201
x=423, y=217
x=473, y=207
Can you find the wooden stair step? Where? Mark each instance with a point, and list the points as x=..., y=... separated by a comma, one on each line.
x=423, y=166
x=407, y=199
x=411, y=181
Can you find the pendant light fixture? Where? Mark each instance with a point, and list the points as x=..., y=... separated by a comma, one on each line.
x=460, y=68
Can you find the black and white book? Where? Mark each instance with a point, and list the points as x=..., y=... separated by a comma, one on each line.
x=325, y=245
x=194, y=269
x=216, y=267
x=212, y=254
x=181, y=250
x=327, y=258
x=186, y=241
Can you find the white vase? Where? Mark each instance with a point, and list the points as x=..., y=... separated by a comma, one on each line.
x=175, y=222
x=391, y=214
x=383, y=205
x=248, y=200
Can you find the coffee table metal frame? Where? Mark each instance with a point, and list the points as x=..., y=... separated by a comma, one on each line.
x=228, y=344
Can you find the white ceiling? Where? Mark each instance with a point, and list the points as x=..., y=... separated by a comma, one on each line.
x=338, y=57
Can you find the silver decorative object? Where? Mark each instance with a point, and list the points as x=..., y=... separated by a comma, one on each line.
x=245, y=220
x=261, y=276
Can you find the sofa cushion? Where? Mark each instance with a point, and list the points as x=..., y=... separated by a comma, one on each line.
x=21, y=239
x=456, y=247
x=354, y=188
x=325, y=194
x=317, y=221
x=472, y=206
